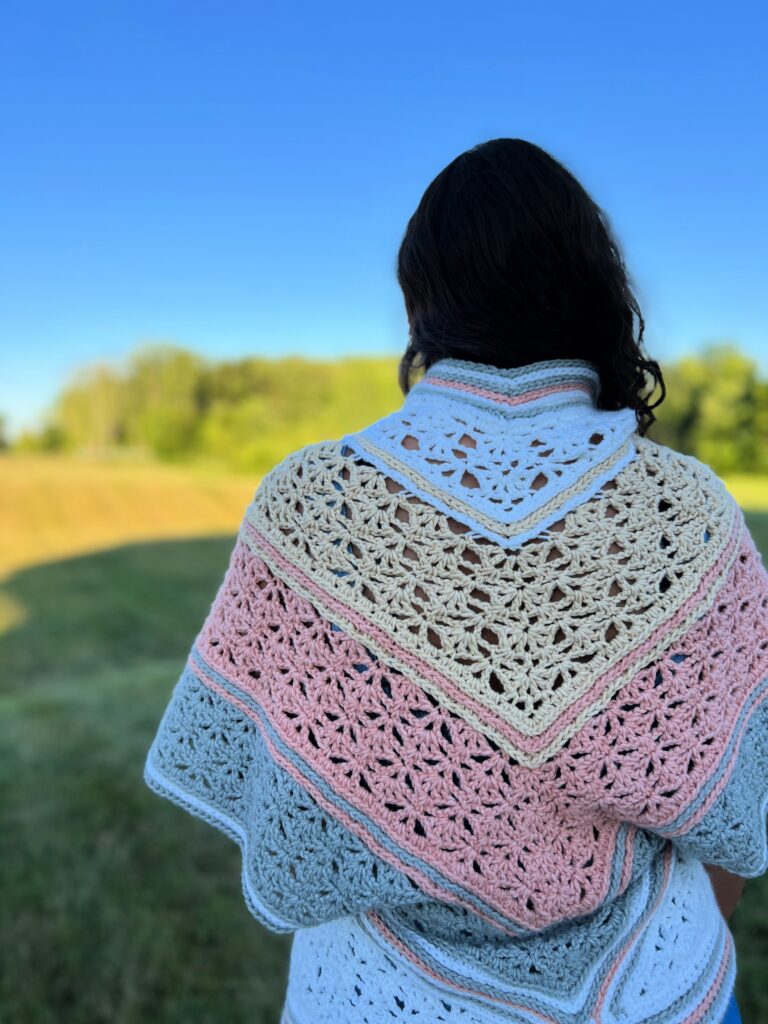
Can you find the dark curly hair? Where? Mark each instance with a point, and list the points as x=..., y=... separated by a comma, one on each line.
x=507, y=261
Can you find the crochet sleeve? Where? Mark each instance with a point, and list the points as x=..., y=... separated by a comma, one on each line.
x=225, y=753
x=682, y=750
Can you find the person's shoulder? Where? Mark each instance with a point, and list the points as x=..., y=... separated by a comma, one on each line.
x=675, y=472
x=308, y=469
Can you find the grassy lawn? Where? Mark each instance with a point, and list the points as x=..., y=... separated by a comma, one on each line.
x=751, y=492
x=52, y=507
x=114, y=905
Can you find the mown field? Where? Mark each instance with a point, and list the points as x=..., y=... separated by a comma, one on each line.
x=114, y=905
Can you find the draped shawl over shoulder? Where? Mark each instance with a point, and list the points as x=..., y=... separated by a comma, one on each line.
x=485, y=682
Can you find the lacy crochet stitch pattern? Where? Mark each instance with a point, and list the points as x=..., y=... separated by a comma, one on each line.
x=503, y=638
x=496, y=763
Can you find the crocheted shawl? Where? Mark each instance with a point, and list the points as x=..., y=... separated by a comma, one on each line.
x=485, y=682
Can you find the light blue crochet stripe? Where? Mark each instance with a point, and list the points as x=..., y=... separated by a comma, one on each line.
x=444, y=506
x=451, y=966
x=645, y=893
x=342, y=944
x=503, y=383
x=373, y=829
x=467, y=977
x=725, y=760
x=528, y=376
x=213, y=815
x=641, y=891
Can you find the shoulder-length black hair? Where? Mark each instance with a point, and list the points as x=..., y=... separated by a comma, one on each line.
x=506, y=261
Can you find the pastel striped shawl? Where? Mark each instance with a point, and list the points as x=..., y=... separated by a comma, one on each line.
x=482, y=687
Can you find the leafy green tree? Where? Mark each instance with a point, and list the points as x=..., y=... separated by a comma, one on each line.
x=87, y=413
x=163, y=400
x=713, y=410
x=291, y=402
x=249, y=413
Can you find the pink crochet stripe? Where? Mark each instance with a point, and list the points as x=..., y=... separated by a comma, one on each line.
x=345, y=651
x=530, y=745
x=425, y=883
x=415, y=959
x=362, y=833
x=285, y=610
x=528, y=396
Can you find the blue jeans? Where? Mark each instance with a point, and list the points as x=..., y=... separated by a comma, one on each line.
x=732, y=1015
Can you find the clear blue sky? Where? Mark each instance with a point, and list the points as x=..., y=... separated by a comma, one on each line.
x=236, y=177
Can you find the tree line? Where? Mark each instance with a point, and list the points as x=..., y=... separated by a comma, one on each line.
x=172, y=404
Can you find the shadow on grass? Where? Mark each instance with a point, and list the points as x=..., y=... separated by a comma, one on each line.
x=116, y=906
x=117, y=607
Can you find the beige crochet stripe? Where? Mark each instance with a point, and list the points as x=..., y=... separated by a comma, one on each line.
x=495, y=525
x=528, y=758
x=608, y=572
x=313, y=533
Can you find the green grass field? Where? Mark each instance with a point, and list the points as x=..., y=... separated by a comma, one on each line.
x=114, y=905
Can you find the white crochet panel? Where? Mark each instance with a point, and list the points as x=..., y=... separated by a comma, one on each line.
x=507, y=472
